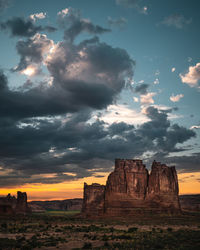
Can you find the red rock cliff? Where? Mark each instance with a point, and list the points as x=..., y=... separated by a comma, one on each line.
x=131, y=190
x=163, y=186
x=93, y=202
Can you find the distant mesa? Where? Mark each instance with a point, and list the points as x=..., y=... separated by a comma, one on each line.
x=10, y=205
x=131, y=190
x=59, y=205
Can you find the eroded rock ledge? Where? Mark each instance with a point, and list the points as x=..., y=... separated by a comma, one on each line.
x=131, y=190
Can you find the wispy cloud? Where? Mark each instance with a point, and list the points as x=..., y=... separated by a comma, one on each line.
x=178, y=21
x=70, y=19
x=136, y=4
x=119, y=22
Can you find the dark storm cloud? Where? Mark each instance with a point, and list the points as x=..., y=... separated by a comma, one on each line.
x=184, y=163
x=101, y=67
x=3, y=81
x=47, y=128
x=141, y=89
x=91, y=79
x=56, y=146
x=73, y=24
x=41, y=101
x=18, y=26
x=165, y=135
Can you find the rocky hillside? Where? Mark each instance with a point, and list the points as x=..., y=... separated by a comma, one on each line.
x=190, y=202
x=62, y=205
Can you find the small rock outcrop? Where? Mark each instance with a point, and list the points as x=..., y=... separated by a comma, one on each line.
x=93, y=202
x=131, y=190
x=10, y=205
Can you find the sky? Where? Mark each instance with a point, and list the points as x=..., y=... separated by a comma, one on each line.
x=83, y=82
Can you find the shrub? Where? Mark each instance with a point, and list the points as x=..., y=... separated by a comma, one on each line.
x=132, y=229
x=87, y=245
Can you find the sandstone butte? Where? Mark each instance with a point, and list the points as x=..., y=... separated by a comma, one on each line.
x=10, y=205
x=131, y=190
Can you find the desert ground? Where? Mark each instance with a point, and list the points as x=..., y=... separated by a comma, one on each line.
x=67, y=230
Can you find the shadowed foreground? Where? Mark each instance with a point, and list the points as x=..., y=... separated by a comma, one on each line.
x=66, y=230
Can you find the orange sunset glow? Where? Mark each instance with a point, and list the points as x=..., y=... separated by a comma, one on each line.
x=188, y=184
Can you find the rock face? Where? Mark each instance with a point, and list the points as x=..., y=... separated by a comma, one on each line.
x=93, y=202
x=21, y=206
x=9, y=205
x=131, y=190
x=163, y=186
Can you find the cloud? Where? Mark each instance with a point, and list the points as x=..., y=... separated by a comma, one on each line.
x=178, y=21
x=136, y=4
x=36, y=16
x=173, y=69
x=122, y=113
x=32, y=53
x=97, y=65
x=70, y=126
x=141, y=89
x=144, y=10
x=58, y=145
x=90, y=74
x=120, y=22
x=156, y=81
x=176, y=98
x=135, y=99
x=195, y=127
x=166, y=135
x=26, y=28
x=147, y=99
x=192, y=77
x=185, y=164
x=70, y=19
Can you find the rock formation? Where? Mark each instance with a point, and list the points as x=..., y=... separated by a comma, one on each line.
x=131, y=190
x=9, y=205
x=93, y=202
